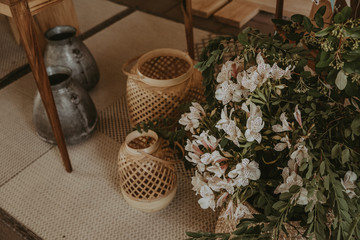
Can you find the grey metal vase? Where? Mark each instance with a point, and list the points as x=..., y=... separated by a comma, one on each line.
x=76, y=110
x=65, y=49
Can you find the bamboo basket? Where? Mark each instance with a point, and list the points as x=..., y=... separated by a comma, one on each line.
x=147, y=172
x=159, y=82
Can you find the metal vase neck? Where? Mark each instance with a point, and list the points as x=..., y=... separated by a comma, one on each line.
x=59, y=77
x=60, y=34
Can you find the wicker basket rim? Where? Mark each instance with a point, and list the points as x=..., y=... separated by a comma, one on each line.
x=135, y=134
x=164, y=82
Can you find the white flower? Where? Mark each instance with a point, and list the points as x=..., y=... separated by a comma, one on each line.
x=208, y=158
x=297, y=115
x=290, y=178
x=285, y=125
x=208, y=198
x=287, y=72
x=254, y=124
x=244, y=171
x=250, y=81
x=241, y=211
x=302, y=197
x=193, y=147
x=225, y=73
x=263, y=69
x=191, y=120
x=208, y=141
x=276, y=72
x=299, y=154
x=197, y=110
x=188, y=122
x=217, y=183
x=229, y=126
x=349, y=183
x=222, y=199
x=224, y=92
x=198, y=181
x=285, y=142
x=193, y=157
x=229, y=212
x=236, y=213
x=307, y=68
x=229, y=69
x=217, y=169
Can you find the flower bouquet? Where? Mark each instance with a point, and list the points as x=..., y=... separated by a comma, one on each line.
x=280, y=131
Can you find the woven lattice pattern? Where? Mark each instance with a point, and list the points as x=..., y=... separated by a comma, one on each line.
x=164, y=67
x=148, y=103
x=145, y=178
x=114, y=120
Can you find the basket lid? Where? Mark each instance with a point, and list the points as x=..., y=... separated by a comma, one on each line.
x=164, y=67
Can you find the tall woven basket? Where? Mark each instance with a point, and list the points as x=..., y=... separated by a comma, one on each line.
x=158, y=83
x=147, y=172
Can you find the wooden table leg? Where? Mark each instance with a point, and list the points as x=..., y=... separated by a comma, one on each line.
x=24, y=21
x=186, y=9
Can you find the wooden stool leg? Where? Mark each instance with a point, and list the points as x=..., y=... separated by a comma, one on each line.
x=279, y=9
x=186, y=9
x=24, y=21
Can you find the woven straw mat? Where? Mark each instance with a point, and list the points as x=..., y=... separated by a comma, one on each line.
x=87, y=204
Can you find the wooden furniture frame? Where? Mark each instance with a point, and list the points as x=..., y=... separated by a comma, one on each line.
x=186, y=9
x=22, y=13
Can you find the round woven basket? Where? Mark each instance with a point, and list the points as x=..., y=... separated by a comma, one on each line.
x=158, y=83
x=147, y=172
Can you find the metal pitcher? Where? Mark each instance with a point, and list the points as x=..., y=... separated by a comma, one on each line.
x=76, y=110
x=65, y=49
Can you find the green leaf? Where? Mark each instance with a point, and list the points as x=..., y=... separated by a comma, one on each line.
x=307, y=24
x=351, y=33
x=285, y=196
x=341, y=80
x=298, y=18
x=321, y=11
x=319, y=20
x=325, y=31
x=352, y=67
x=294, y=189
x=223, y=142
x=335, y=151
x=194, y=234
x=243, y=39
x=339, y=18
x=347, y=132
x=345, y=155
x=322, y=168
x=346, y=12
x=325, y=59
x=355, y=125
x=352, y=89
x=343, y=204
x=198, y=65
x=327, y=182
x=279, y=205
